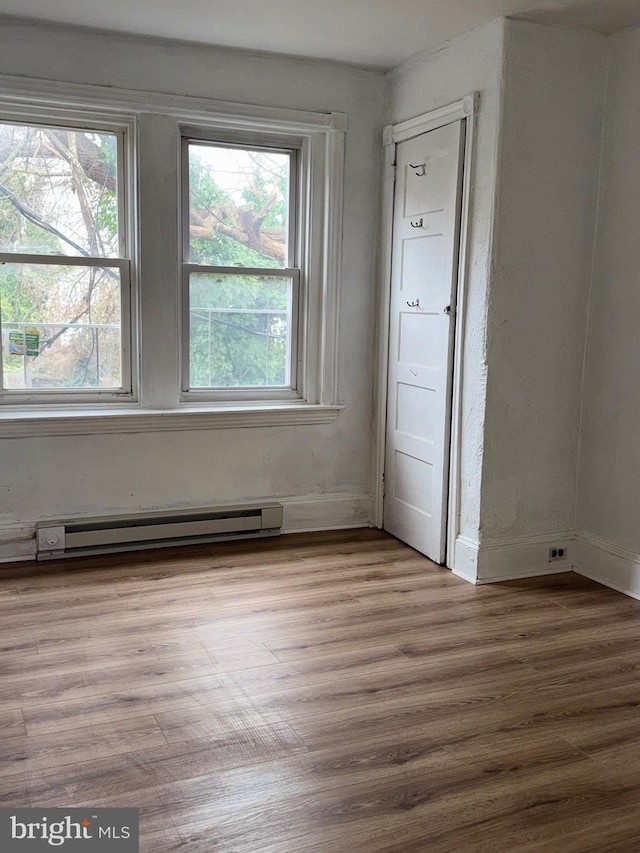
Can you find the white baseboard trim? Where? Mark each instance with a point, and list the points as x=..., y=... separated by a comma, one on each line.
x=17, y=542
x=300, y=515
x=589, y=555
x=524, y=573
x=325, y=512
x=465, y=559
x=512, y=559
x=607, y=563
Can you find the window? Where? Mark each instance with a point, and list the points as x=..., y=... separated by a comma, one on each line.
x=64, y=273
x=241, y=274
x=165, y=267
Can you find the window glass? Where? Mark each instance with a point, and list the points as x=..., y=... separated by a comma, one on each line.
x=239, y=206
x=58, y=191
x=61, y=326
x=240, y=331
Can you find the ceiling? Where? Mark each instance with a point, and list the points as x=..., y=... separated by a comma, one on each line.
x=371, y=33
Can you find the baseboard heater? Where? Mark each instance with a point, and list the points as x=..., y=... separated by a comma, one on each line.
x=80, y=537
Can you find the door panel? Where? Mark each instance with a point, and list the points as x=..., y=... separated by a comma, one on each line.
x=412, y=481
x=420, y=339
x=423, y=280
x=414, y=412
x=418, y=254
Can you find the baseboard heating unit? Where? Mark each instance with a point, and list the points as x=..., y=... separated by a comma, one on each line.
x=84, y=536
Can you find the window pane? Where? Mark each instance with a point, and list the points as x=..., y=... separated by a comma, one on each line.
x=58, y=191
x=239, y=206
x=61, y=327
x=240, y=331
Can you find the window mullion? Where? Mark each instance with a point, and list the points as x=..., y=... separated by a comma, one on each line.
x=159, y=252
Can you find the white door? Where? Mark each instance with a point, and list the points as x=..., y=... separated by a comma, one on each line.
x=424, y=268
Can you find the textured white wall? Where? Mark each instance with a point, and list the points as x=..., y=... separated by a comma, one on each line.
x=610, y=450
x=472, y=62
x=550, y=141
x=67, y=476
x=533, y=212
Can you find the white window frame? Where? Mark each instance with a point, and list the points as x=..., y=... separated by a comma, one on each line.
x=123, y=129
x=155, y=122
x=296, y=268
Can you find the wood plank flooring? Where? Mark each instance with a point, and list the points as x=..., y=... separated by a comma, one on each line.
x=331, y=692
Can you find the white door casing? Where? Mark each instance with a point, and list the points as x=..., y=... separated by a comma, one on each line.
x=424, y=273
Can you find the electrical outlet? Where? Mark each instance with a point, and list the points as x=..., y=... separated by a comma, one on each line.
x=557, y=553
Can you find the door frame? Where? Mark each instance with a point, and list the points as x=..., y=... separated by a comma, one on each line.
x=466, y=109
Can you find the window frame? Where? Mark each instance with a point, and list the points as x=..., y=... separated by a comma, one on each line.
x=123, y=128
x=294, y=269
x=153, y=405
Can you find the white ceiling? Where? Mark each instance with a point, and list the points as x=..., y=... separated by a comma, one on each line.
x=372, y=33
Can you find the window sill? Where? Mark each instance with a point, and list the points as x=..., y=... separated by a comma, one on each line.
x=40, y=422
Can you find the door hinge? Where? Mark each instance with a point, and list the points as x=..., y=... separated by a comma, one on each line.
x=394, y=169
x=383, y=487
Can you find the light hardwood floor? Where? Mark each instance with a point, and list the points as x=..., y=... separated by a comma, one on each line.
x=331, y=692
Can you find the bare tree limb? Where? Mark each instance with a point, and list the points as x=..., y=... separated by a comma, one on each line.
x=33, y=216
x=89, y=156
x=238, y=222
x=241, y=224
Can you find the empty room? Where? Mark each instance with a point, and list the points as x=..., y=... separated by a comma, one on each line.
x=246, y=602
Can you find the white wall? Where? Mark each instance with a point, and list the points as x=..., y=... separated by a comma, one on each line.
x=609, y=485
x=549, y=153
x=325, y=469
x=472, y=62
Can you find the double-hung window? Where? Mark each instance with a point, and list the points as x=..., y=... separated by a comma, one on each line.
x=173, y=267
x=64, y=269
x=241, y=271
